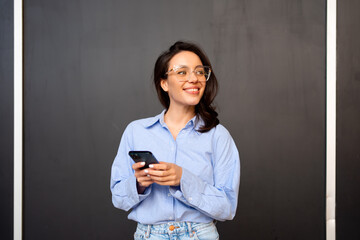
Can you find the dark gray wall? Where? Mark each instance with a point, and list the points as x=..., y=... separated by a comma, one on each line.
x=348, y=121
x=6, y=118
x=88, y=68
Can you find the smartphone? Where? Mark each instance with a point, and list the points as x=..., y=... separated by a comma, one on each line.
x=143, y=156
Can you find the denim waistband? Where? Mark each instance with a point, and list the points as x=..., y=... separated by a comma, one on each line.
x=172, y=227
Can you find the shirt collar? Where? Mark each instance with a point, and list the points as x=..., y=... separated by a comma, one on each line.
x=157, y=118
x=195, y=122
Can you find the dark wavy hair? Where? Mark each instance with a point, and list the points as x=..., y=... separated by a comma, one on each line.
x=204, y=109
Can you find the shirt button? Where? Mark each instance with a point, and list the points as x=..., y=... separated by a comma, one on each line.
x=170, y=218
x=169, y=194
x=190, y=198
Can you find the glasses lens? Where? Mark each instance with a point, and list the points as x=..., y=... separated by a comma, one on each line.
x=202, y=73
x=182, y=73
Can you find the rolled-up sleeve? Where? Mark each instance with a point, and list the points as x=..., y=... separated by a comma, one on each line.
x=123, y=181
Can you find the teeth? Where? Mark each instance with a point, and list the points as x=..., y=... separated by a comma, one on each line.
x=193, y=89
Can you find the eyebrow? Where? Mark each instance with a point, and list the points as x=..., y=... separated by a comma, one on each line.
x=181, y=66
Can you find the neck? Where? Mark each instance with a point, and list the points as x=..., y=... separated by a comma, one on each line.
x=179, y=115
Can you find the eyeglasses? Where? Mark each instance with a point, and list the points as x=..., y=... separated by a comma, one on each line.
x=183, y=73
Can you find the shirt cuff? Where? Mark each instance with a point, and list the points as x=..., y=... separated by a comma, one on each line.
x=132, y=192
x=189, y=190
x=146, y=193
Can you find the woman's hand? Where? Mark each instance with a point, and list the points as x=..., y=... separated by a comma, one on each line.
x=164, y=173
x=142, y=178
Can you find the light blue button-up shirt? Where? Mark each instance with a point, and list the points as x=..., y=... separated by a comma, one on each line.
x=210, y=177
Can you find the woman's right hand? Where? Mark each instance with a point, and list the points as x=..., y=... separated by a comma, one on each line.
x=142, y=178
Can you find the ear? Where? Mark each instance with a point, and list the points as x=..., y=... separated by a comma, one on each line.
x=164, y=85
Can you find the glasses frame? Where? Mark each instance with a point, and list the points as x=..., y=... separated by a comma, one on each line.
x=176, y=67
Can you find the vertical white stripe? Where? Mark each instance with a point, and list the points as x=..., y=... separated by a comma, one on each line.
x=331, y=120
x=18, y=117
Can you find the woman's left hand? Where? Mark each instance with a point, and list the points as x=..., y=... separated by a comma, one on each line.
x=165, y=173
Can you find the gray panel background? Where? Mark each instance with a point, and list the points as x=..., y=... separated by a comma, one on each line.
x=6, y=118
x=348, y=119
x=88, y=67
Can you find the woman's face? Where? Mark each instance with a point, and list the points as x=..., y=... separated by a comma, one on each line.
x=187, y=93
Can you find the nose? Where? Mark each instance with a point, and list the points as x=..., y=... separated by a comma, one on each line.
x=192, y=77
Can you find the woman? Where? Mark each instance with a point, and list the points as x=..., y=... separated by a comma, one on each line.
x=197, y=179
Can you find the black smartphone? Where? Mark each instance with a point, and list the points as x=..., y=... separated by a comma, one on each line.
x=143, y=156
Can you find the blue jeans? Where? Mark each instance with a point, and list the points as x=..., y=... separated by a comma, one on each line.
x=177, y=231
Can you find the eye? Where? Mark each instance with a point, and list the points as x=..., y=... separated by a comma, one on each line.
x=200, y=72
x=181, y=72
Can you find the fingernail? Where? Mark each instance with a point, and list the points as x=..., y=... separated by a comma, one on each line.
x=142, y=163
x=146, y=171
x=151, y=166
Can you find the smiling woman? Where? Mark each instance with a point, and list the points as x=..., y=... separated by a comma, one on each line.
x=197, y=178
x=183, y=88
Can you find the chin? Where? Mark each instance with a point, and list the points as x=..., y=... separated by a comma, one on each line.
x=193, y=103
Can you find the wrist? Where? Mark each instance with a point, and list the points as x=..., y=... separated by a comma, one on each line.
x=140, y=189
